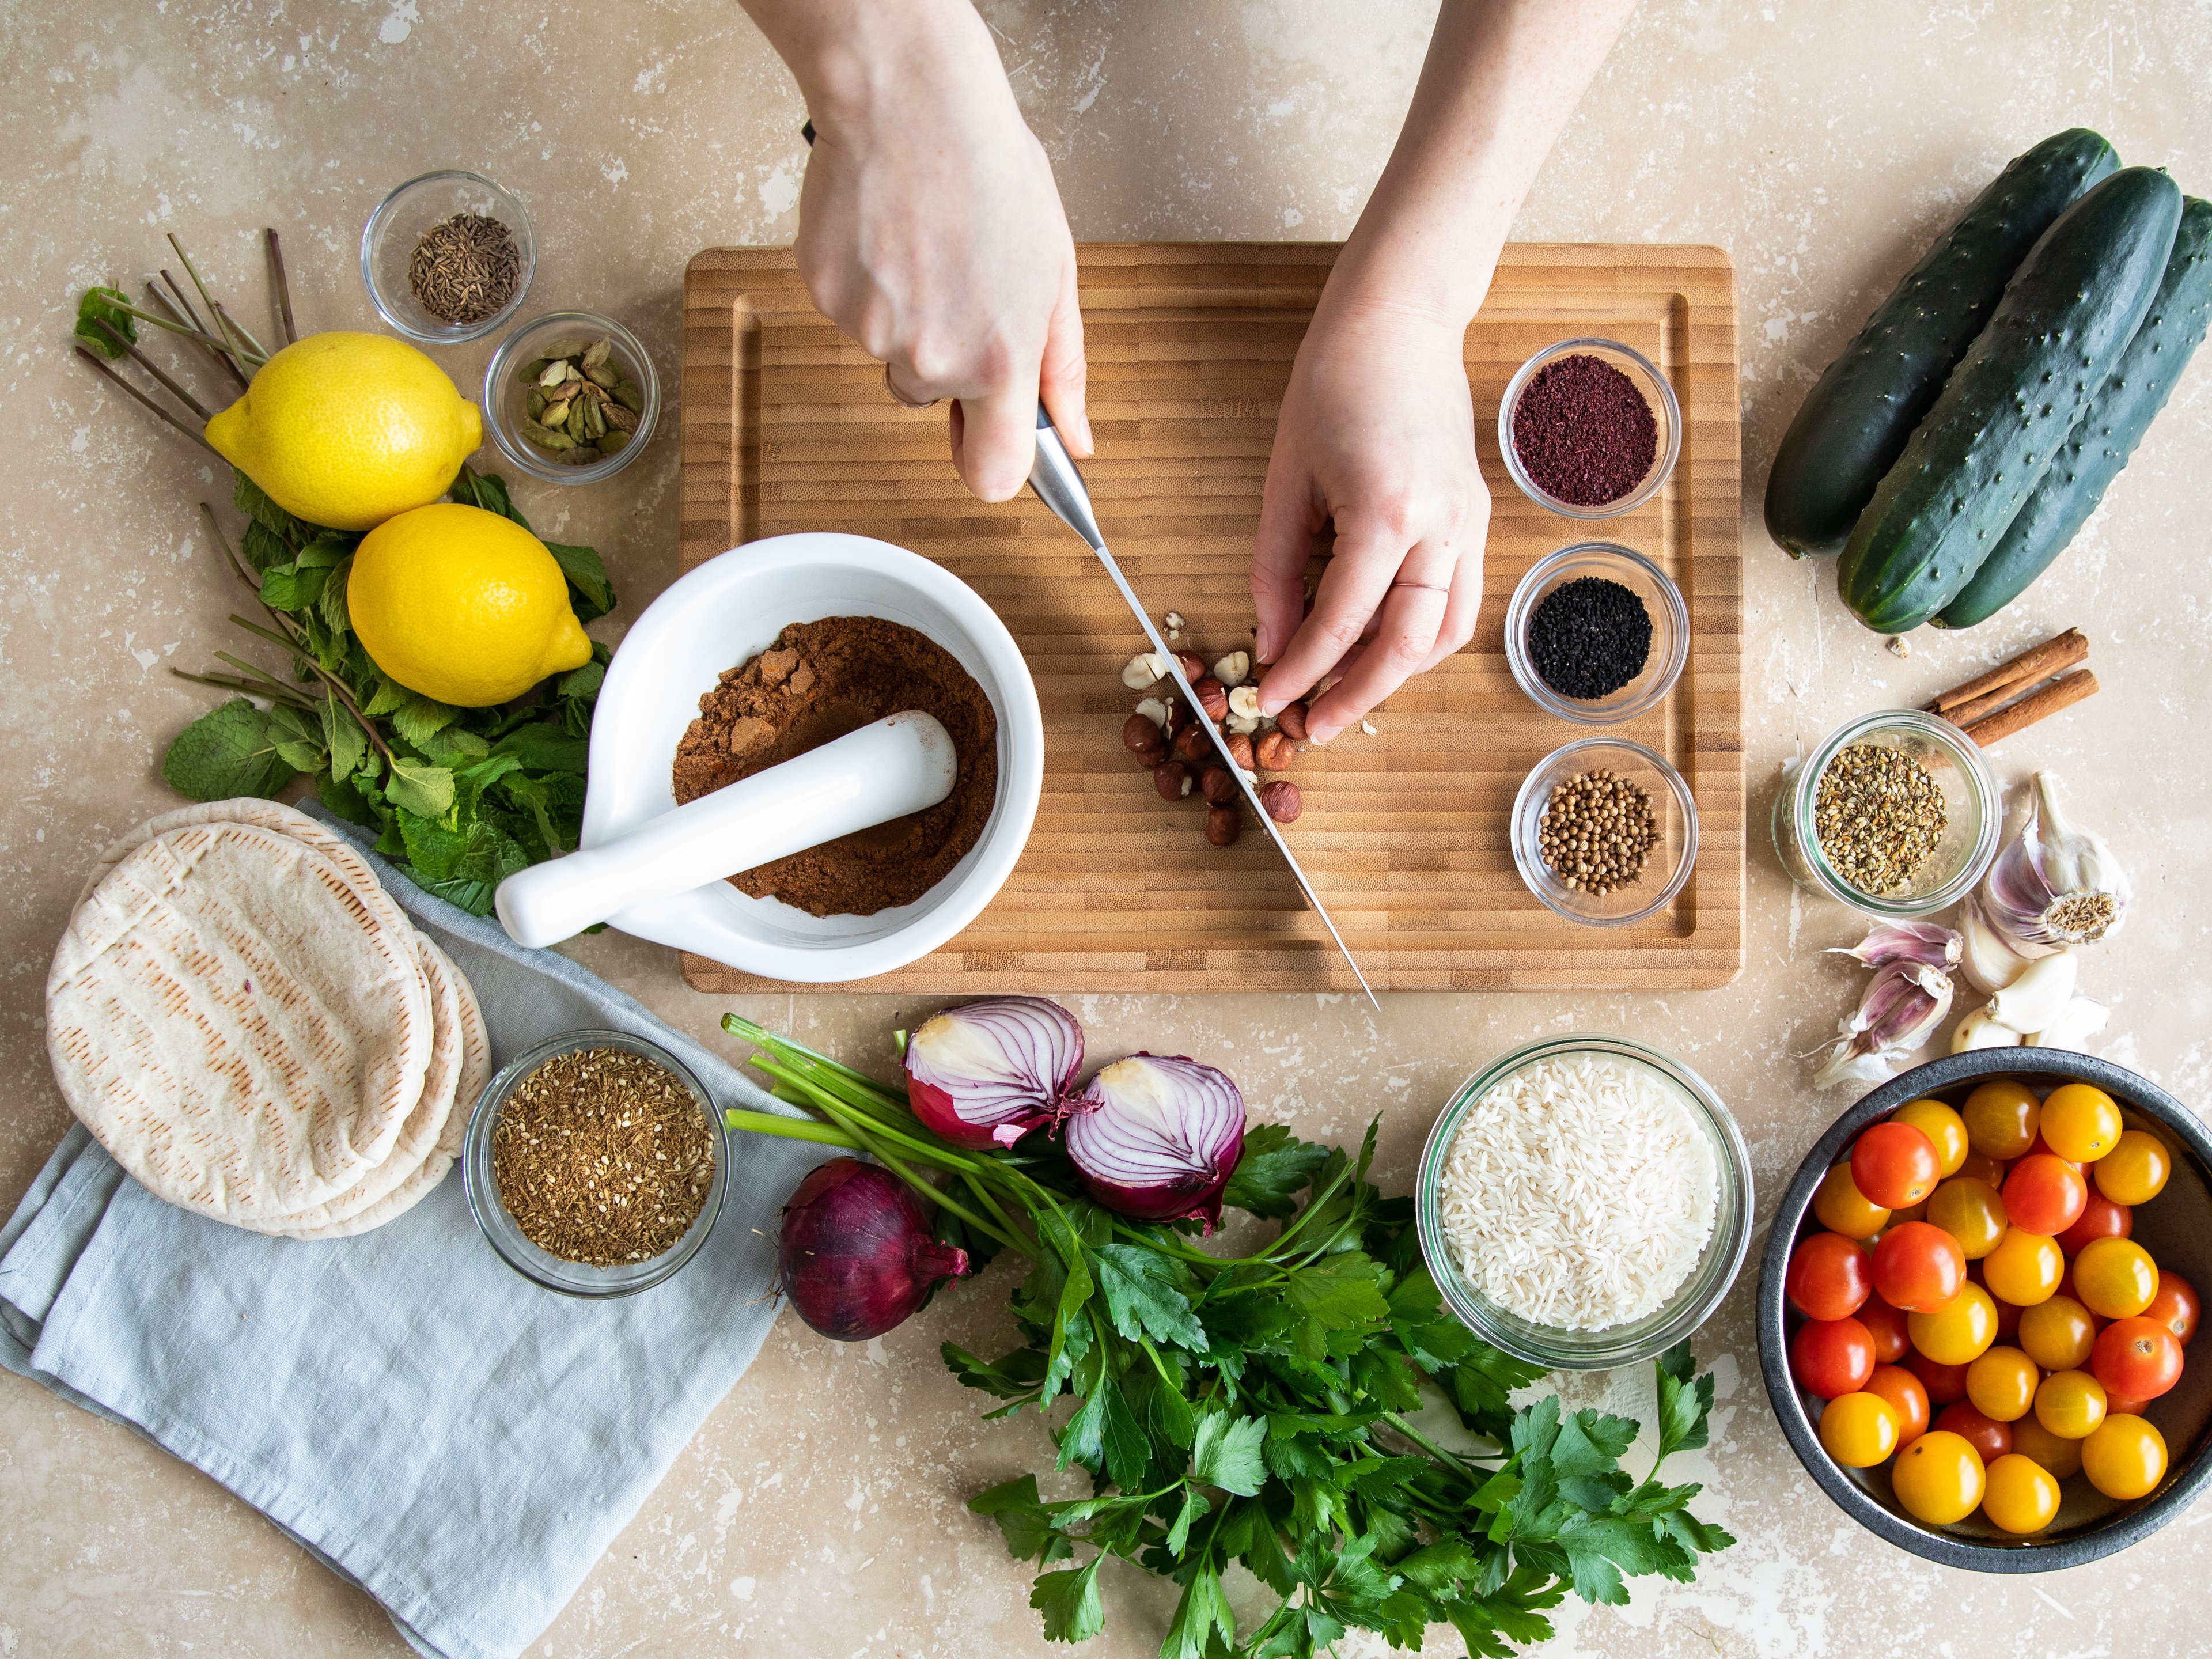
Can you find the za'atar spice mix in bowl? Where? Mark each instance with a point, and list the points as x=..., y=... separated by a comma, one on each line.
x=1589, y=428
x=595, y=1164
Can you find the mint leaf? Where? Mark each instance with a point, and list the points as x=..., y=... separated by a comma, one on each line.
x=546, y=748
x=342, y=736
x=587, y=579
x=105, y=304
x=252, y=500
x=1069, y=1602
x=332, y=607
x=1274, y=1167
x=289, y=588
x=226, y=752
x=584, y=682
x=419, y=719
x=1140, y=1296
x=1226, y=1453
x=426, y=791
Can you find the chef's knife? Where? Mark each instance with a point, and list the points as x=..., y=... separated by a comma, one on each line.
x=1060, y=487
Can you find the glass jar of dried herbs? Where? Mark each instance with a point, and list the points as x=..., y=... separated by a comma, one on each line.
x=579, y=403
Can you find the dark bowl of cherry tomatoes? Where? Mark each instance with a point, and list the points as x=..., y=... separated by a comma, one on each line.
x=1976, y=1306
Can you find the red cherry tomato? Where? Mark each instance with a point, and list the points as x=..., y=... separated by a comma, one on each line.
x=1907, y=1396
x=1886, y=1325
x=1829, y=1277
x=2100, y=1218
x=1918, y=1267
x=1979, y=1166
x=1985, y=1435
x=1946, y=1384
x=1895, y=1165
x=1831, y=1356
x=2138, y=1359
x=2117, y=1405
x=2173, y=1306
x=2007, y=1319
x=2045, y=1195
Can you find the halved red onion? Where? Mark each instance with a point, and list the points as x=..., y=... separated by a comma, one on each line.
x=986, y=1074
x=1157, y=1137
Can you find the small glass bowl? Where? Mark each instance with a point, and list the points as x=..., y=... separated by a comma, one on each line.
x=1662, y=603
x=504, y=396
x=541, y=1267
x=388, y=239
x=1666, y=415
x=1671, y=861
x=1693, y=1301
x=1973, y=808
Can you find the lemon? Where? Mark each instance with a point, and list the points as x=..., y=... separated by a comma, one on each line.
x=346, y=430
x=463, y=605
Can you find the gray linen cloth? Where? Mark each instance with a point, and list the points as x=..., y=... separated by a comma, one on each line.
x=458, y=1442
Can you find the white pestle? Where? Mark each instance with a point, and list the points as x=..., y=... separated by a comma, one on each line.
x=901, y=763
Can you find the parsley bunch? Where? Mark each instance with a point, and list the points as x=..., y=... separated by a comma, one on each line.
x=1260, y=1408
x=466, y=797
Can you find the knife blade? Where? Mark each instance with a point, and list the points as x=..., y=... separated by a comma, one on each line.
x=1060, y=487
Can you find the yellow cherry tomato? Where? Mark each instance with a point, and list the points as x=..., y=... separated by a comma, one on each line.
x=1971, y=1212
x=2062, y=1456
x=1959, y=1332
x=2001, y=1117
x=1945, y=1129
x=2058, y=1334
x=2001, y=1384
x=2134, y=1171
x=2071, y=1404
x=2020, y=1496
x=1841, y=1209
x=1939, y=1478
x=2124, y=1457
x=1859, y=1430
x=2114, y=1278
x=2080, y=1121
x=2025, y=1267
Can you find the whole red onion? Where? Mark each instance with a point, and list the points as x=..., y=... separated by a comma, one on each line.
x=1157, y=1137
x=986, y=1074
x=856, y=1254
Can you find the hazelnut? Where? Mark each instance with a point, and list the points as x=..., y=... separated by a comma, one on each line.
x=1274, y=751
x=1194, y=742
x=1223, y=825
x=1144, y=670
x=1282, y=800
x=1240, y=749
x=1291, y=721
x=1245, y=700
x=1217, y=785
x=1143, y=739
x=1193, y=669
x=1153, y=709
x=1172, y=780
x=1233, y=669
x=1212, y=697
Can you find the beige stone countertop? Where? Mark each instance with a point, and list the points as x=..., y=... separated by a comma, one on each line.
x=820, y=1509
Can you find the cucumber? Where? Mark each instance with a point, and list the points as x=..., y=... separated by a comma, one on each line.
x=1854, y=423
x=2108, y=431
x=2068, y=313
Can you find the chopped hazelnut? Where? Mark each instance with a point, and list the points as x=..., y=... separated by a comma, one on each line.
x=1212, y=695
x=1172, y=780
x=1223, y=825
x=1245, y=700
x=1143, y=671
x=1173, y=619
x=1155, y=711
x=1282, y=800
x=1217, y=785
x=1241, y=749
x=1242, y=724
x=1193, y=669
x=1192, y=744
x=1233, y=669
x=1274, y=751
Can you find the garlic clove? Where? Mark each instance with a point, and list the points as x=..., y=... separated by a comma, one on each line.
x=2081, y=1019
x=1990, y=963
x=1926, y=942
x=1904, y=1003
x=1979, y=1031
x=2034, y=1000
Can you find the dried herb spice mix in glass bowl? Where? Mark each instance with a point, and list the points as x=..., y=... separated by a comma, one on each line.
x=1597, y=633
x=447, y=257
x=1589, y=428
x=595, y=1164
x=571, y=397
x=1896, y=814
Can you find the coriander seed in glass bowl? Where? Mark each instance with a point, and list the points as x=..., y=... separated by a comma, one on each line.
x=571, y=397
x=1667, y=861
x=1910, y=821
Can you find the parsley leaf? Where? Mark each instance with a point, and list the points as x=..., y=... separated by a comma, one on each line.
x=1226, y=1453
x=1142, y=1298
x=1274, y=1167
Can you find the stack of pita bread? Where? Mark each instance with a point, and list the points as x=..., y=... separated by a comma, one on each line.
x=253, y=1029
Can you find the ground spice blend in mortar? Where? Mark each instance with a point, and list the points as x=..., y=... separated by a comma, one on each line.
x=820, y=681
x=602, y=1157
x=1583, y=432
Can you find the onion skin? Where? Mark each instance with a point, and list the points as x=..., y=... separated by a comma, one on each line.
x=854, y=1253
x=1157, y=1137
x=986, y=1074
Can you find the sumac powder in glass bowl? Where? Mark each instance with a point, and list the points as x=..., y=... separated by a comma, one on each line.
x=1589, y=428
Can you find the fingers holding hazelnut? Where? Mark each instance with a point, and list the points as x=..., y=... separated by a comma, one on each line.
x=1212, y=697
x=1192, y=744
x=1172, y=780
x=1217, y=785
x=1241, y=751
x=1274, y=751
x=1291, y=721
x=1143, y=739
x=1282, y=800
x=1223, y=825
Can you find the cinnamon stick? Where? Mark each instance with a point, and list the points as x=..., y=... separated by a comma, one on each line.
x=2062, y=693
x=2040, y=662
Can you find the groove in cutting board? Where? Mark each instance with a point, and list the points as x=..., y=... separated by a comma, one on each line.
x=786, y=426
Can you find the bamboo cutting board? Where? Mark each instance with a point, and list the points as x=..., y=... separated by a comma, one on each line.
x=787, y=426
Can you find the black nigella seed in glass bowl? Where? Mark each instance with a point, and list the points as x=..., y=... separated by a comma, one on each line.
x=1588, y=637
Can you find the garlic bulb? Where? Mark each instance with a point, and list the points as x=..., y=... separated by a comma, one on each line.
x=1929, y=942
x=2056, y=884
x=2080, y=1020
x=1988, y=959
x=1979, y=1031
x=2035, y=999
x=1904, y=1003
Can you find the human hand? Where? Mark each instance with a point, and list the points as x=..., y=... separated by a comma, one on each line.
x=1376, y=433
x=931, y=232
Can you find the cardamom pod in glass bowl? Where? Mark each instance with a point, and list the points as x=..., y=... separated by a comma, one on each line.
x=571, y=397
